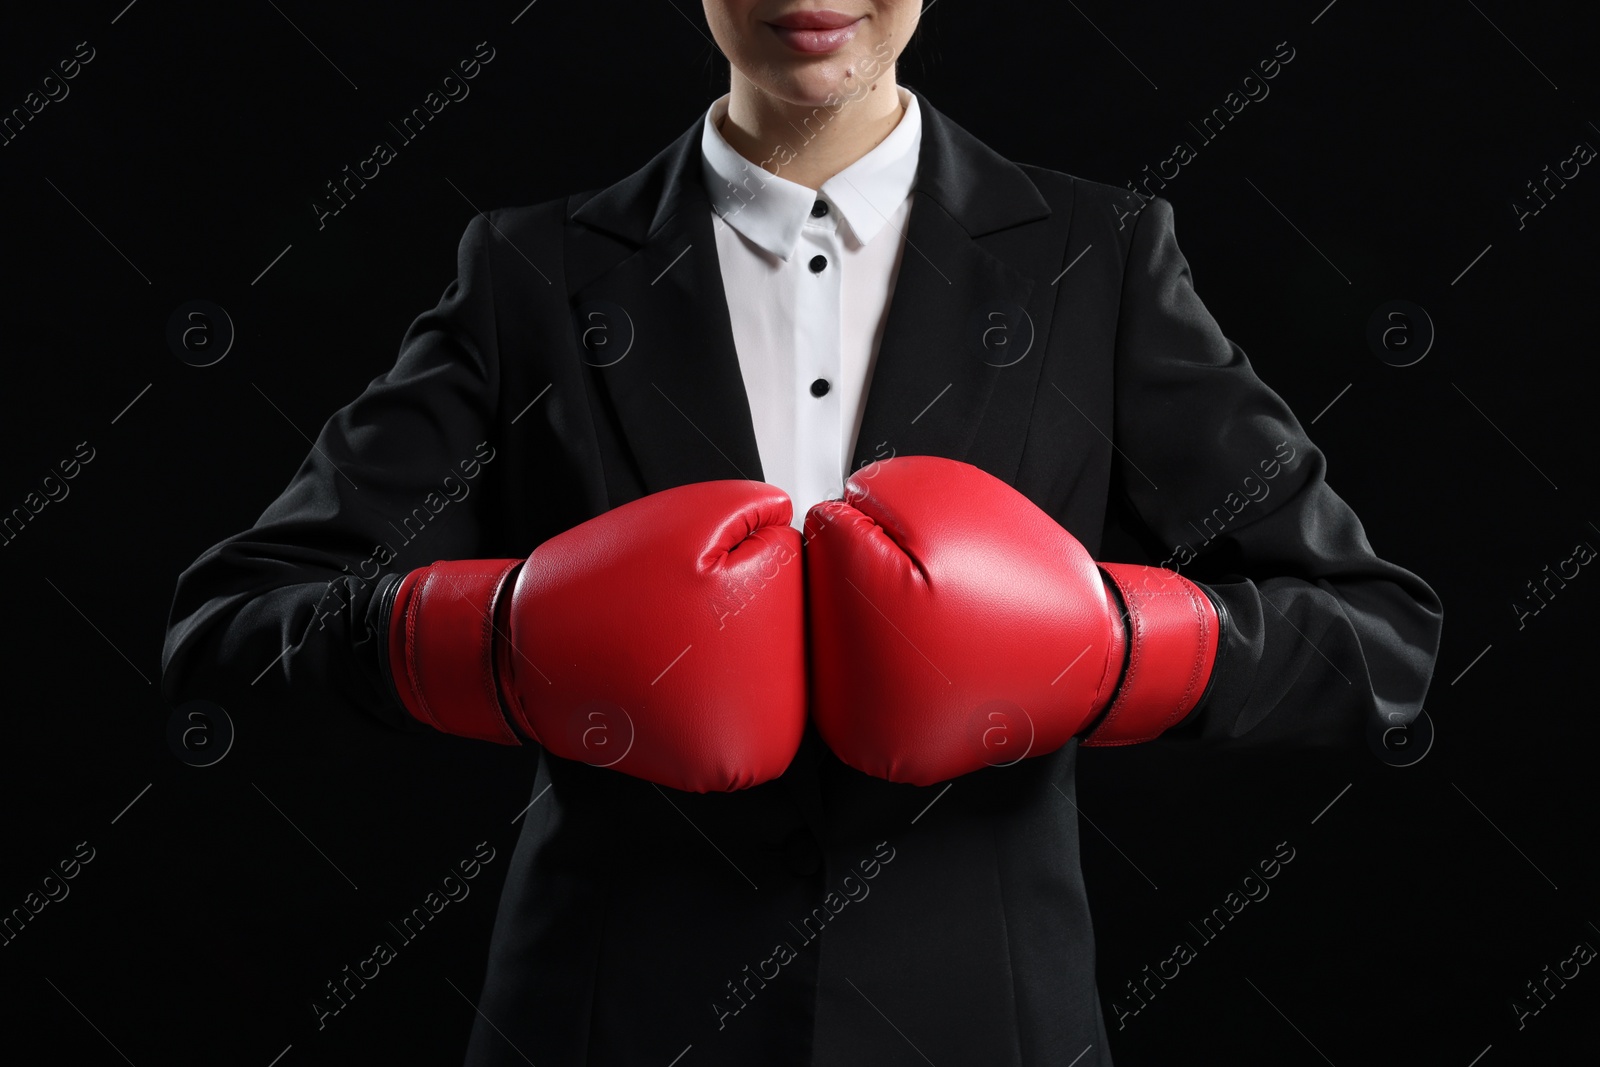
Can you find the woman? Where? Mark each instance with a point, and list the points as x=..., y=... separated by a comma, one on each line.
x=812, y=812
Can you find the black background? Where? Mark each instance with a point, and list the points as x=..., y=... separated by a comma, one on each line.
x=1385, y=160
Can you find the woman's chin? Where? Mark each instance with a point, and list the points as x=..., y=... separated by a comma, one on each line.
x=818, y=86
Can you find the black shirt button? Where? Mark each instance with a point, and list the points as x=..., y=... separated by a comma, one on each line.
x=818, y=264
x=819, y=209
x=820, y=387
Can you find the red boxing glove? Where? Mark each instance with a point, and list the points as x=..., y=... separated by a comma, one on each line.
x=664, y=639
x=954, y=625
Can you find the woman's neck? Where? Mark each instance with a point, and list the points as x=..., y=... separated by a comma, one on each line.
x=805, y=143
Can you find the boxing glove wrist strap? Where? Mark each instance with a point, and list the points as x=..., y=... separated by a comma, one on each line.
x=1172, y=634
x=443, y=646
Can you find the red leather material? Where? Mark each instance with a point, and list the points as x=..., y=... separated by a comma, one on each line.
x=666, y=638
x=954, y=625
x=505, y=655
x=1174, y=647
x=441, y=647
x=1117, y=657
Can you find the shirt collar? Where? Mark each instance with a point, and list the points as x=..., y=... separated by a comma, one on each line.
x=769, y=209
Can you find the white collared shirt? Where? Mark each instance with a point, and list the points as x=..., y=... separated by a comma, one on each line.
x=808, y=294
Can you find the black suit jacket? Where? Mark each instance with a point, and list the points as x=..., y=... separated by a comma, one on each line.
x=1043, y=328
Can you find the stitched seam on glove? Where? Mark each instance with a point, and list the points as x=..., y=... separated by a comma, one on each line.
x=413, y=667
x=1202, y=629
x=1135, y=602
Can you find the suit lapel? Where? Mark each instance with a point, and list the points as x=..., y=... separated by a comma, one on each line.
x=655, y=329
x=963, y=322
x=957, y=319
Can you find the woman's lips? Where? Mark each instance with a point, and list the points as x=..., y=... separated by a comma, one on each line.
x=816, y=41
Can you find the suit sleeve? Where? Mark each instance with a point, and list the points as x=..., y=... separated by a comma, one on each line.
x=1320, y=638
x=297, y=605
